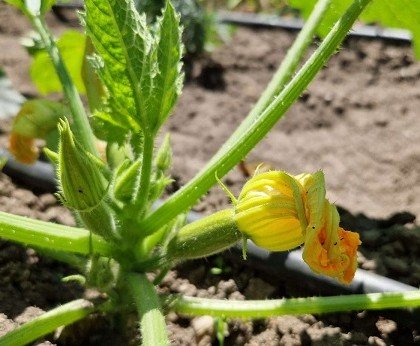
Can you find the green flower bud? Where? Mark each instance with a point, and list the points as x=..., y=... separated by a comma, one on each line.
x=101, y=273
x=163, y=158
x=82, y=183
x=83, y=187
x=158, y=186
x=270, y=211
x=126, y=180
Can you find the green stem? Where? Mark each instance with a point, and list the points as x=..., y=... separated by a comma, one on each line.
x=50, y=235
x=241, y=143
x=142, y=193
x=294, y=306
x=205, y=237
x=289, y=64
x=82, y=127
x=48, y=322
x=152, y=321
x=76, y=261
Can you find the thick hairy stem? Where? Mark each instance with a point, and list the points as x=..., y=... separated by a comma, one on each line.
x=152, y=322
x=256, y=309
x=51, y=236
x=48, y=322
x=290, y=62
x=142, y=193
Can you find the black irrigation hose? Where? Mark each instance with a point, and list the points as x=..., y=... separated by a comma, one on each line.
x=279, y=264
x=277, y=22
x=39, y=176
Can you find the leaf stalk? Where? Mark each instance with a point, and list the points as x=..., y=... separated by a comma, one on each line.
x=152, y=321
x=82, y=127
x=48, y=322
x=51, y=236
x=257, y=309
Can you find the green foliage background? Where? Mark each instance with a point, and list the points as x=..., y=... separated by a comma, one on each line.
x=402, y=14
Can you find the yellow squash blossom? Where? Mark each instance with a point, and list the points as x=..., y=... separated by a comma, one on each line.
x=279, y=212
x=270, y=211
x=23, y=148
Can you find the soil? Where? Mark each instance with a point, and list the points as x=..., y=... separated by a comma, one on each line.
x=357, y=122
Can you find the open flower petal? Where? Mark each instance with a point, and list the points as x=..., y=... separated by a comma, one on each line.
x=330, y=250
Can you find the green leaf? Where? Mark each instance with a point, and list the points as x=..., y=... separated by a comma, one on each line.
x=107, y=128
x=123, y=41
x=403, y=14
x=141, y=70
x=169, y=78
x=72, y=46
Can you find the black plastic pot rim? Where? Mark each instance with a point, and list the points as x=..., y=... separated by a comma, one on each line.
x=282, y=265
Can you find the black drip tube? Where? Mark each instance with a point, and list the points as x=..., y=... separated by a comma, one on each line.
x=275, y=22
x=39, y=176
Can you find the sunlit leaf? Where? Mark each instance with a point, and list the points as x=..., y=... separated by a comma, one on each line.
x=72, y=46
x=123, y=42
x=139, y=67
x=168, y=81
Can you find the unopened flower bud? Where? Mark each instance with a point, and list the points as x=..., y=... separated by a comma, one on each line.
x=158, y=186
x=83, y=187
x=81, y=181
x=270, y=211
x=126, y=179
x=163, y=159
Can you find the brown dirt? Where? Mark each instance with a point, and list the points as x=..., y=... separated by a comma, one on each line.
x=357, y=122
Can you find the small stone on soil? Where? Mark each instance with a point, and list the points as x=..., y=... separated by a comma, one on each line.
x=203, y=325
x=258, y=289
x=6, y=325
x=386, y=326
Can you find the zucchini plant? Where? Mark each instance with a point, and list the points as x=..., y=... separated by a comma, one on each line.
x=124, y=246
